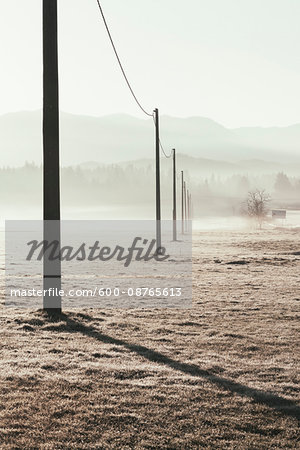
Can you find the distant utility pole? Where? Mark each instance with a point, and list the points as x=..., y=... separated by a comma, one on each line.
x=182, y=203
x=52, y=269
x=157, y=157
x=184, y=196
x=188, y=206
x=174, y=197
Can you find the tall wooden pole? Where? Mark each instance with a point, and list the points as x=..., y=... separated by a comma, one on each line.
x=174, y=197
x=188, y=206
x=184, y=196
x=52, y=269
x=157, y=166
x=182, y=203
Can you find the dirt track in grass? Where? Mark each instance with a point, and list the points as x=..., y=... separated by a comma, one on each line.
x=224, y=374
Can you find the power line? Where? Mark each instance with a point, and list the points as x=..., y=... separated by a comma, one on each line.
x=119, y=61
x=162, y=148
x=167, y=156
x=125, y=76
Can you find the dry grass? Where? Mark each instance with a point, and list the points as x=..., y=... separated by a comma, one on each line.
x=221, y=375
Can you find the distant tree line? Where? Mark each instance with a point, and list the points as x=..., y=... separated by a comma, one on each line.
x=135, y=184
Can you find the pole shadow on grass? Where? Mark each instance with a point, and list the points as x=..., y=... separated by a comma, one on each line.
x=278, y=403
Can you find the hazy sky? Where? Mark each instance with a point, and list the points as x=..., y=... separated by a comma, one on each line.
x=235, y=61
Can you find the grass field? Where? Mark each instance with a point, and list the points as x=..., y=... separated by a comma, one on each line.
x=224, y=374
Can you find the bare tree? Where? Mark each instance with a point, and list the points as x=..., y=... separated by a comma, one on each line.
x=257, y=205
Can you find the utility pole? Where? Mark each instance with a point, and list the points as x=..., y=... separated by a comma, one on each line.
x=182, y=203
x=51, y=205
x=184, y=195
x=157, y=157
x=174, y=197
x=188, y=207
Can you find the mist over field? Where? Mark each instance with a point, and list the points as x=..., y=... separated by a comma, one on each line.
x=108, y=165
